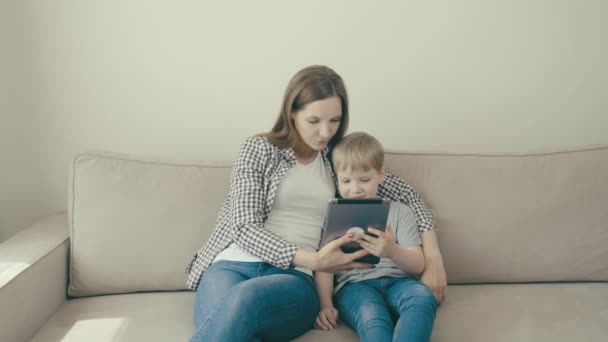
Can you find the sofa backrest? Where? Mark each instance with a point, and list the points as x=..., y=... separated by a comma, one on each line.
x=135, y=223
x=526, y=218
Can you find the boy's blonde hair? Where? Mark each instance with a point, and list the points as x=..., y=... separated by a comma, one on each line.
x=358, y=152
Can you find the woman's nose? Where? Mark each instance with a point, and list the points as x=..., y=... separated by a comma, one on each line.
x=324, y=131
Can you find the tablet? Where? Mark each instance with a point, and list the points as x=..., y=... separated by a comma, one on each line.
x=344, y=214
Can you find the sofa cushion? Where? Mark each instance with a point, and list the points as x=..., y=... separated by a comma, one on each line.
x=512, y=312
x=516, y=218
x=130, y=317
x=138, y=317
x=135, y=223
x=524, y=312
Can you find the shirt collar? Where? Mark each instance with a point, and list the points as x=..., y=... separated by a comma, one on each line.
x=289, y=154
x=290, y=157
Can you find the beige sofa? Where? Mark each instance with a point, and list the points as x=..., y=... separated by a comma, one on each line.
x=524, y=240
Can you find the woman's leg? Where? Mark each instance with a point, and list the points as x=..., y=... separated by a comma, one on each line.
x=290, y=304
x=276, y=305
x=219, y=278
x=361, y=306
x=416, y=305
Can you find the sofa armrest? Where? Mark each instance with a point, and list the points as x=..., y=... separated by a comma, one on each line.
x=33, y=277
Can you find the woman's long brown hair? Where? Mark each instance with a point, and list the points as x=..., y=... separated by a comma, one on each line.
x=308, y=85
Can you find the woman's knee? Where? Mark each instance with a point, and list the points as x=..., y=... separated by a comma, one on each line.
x=241, y=300
x=270, y=291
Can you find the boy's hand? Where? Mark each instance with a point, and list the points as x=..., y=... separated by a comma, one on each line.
x=382, y=246
x=327, y=318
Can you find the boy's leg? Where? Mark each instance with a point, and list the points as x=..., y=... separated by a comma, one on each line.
x=271, y=307
x=416, y=305
x=361, y=306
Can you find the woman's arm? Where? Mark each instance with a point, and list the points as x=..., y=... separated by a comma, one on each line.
x=434, y=275
x=397, y=189
x=248, y=196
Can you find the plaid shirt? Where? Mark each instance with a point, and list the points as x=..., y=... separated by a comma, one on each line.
x=259, y=168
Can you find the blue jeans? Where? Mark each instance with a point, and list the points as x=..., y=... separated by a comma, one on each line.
x=253, y=301
x=371, y=307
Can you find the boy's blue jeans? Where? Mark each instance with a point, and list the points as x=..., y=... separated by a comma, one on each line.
x=253, y=301
x=369, y=307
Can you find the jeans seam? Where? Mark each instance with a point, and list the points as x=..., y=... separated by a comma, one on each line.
x=205, y=323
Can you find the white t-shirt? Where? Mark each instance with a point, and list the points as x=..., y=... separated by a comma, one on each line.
x=298, y=210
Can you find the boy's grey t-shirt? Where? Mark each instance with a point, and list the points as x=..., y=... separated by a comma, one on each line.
x=403, y=223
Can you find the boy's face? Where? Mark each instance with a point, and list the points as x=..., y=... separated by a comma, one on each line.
x=359, y=184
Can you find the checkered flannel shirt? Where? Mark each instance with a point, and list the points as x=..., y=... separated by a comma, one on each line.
x=256, y=174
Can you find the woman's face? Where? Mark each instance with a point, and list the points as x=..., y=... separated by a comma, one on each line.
x=318, y=121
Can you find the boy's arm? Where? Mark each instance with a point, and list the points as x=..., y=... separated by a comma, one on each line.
x=327, y=319
x=325, y=288
x=407, y=253
x=409, y=259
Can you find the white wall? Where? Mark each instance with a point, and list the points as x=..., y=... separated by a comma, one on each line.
x=191, y=79
x=20, y=173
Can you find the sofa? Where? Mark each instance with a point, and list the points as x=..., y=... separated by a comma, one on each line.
x=524, y=241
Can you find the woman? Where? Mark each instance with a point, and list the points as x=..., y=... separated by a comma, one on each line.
x=254, y=276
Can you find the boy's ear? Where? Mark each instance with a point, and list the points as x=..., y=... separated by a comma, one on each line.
x=381, y=175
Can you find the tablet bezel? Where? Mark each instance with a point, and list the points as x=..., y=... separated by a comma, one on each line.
x=345, y=213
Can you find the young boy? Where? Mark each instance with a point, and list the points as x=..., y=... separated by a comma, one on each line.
x=369, y=299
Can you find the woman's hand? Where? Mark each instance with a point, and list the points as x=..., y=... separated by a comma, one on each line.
x=383, y=246
x=327, y=318
x=331, y=259
x=434, y=277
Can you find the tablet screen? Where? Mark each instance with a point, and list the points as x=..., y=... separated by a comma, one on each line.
x=355, y=215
